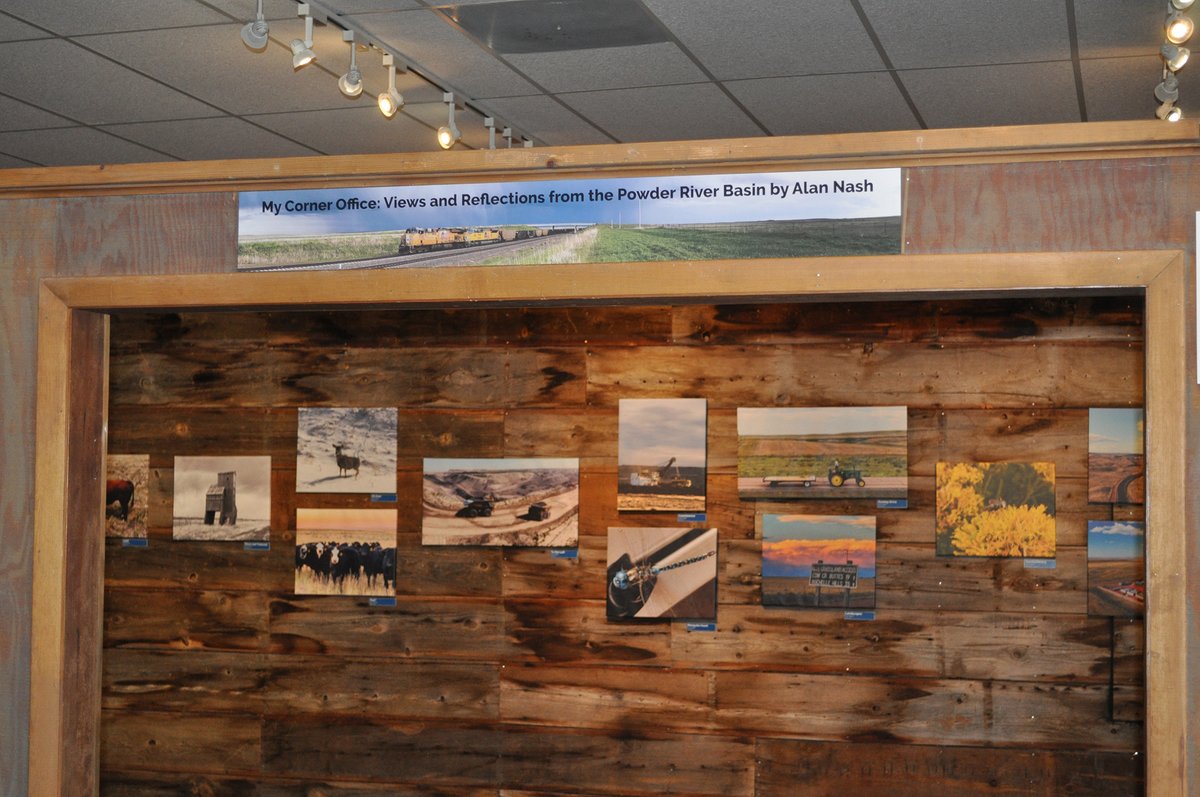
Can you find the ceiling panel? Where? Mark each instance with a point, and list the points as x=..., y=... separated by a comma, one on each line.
x=74, y=146
x=12, y=29
x=664, y=113
x=551, y=121
x=1120, y=88
x=428, y=40
x=979, y=96
x=210, y=139
x=770, y=38
x=826, y=103
x=934, y=33
x=87, y=87
x=72, y=17
x=1110, y=28
x=350, y=131
x=16, y=115
x=609, y=68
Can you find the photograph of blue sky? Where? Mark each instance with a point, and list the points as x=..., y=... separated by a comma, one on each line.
x=651, y=431
x=1116, y=431
x=798, y=421
x=1115, y=539
x=695, y=199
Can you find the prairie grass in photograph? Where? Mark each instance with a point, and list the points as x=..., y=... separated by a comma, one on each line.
x=818, y=561
x=222, y=498
x=345, y=552
x=504, y=502
x=661, y=573
x=995, y=509
x=1116, y=568
x=126, y=495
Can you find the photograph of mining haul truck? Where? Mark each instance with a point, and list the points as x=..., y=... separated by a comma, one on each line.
x=664, y=475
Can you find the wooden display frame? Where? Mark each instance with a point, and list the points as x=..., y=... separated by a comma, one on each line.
x=72, y=418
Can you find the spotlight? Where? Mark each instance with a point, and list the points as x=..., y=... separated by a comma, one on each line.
x=302, y=54
x=490, y=124
x=1182, y=4
x=1168, y=90
x=1169, y=112
x=1175, y=56
x=254, y=34
x=507, y=133
x=448, y=133
x=1179, y=28
x=390, y=101
x=351, y=82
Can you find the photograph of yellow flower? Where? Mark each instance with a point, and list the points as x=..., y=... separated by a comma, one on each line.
x=995, y=509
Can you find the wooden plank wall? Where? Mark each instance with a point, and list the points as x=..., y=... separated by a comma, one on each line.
x=497, y=673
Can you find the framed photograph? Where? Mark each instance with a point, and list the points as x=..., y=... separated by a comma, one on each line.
x=662, y=455
x=995, y=509
x=823, y=452
x=1116, y=568
x=662, y=573
x=126, y=495
x=506, y=502
x=345, y=552
x=222, y=498
x=1116, y=456
x=346, y=450
x=819, y=561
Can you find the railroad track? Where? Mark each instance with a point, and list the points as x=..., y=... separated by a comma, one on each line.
x=425, y=259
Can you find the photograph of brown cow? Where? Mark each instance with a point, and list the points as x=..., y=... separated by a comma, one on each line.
x=127, y=486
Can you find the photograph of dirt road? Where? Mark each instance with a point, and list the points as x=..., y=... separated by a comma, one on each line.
x=823, y=452
x=1116, y=568
x=818, y=560
x=505, y=502
x=1116, y=456
x=662, y=455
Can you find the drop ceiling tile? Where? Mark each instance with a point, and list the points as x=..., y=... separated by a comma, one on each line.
x=12, y=30
x=213, y=65
x=826, y=103
x=547, y=119
x=344, y=7
x=428, y=40
x=210, y=139
x=87, y=87
x=1111, y=28
x=350, y=132
x=9, y=162
x=919, y=34
x=609, y=68
x=666, y=113
x=994, y=95
x=16, y=115
x=769, y=38
x=74, y=146
x=71, y=17
x=1123, y=88
x=245, y=9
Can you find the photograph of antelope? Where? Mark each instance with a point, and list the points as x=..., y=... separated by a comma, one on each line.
x=222, y=498
x=345, y=552
x=127, y=486
x=346, y=450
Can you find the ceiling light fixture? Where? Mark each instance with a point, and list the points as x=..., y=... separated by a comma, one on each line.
x=1175, y=56
x=302, y=52
x=1179, y=27
x=448, y=133
x=390, y=101
x=351, y=83
x=507, y=133
x=490, y=123
x=254, y=34
x=1168, y=89
x=1182, y=4
x=1169, y=112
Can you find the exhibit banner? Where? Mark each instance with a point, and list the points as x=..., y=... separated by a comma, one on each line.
x=585, y=220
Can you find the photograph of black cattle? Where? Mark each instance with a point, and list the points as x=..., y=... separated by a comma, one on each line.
x=345, y=552
x=346, y=450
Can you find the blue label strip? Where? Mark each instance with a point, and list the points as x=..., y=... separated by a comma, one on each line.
x=1040, y=564
x=135, y=542
x=564, y=553
x=701, y=627
x=859, y=616
x=381, y=602
x=692, y=517
x=892, y=503
x=384, y=497
x=257, y=545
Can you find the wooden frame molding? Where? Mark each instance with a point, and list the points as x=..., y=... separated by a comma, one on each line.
x=72, y=416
